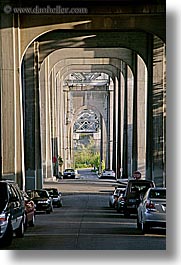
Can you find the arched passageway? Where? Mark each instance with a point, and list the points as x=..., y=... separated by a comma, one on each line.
x=131, y=54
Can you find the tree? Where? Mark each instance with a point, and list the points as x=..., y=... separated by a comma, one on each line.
x=60, y=161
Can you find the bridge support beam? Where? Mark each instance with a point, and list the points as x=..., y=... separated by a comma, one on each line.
x=11, y=101
x=32, y=118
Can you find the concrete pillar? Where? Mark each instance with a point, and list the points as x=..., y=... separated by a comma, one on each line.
x=141, y=115
x=119, y=128
x=125, y=124
x=54, y=106
x=108, y=165
x=111, y=95
x=115, y=127
x=135, y=116
x=11, y=100
x=149, y=128
x=130, y=86
x=61, y=144
x=45, y=120
x=33, y=161
x=159, y=113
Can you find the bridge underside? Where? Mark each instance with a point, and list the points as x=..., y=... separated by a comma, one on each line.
x=109, y=62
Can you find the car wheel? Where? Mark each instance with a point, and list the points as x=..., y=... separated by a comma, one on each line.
x=144, y=227
x=126, y=214
x=60, y=204
x=32, y=222
x=138, y=224
x=25, y=222
x=20, y=231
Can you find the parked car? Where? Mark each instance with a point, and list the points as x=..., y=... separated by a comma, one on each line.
x=108, y=173
x=134, y=190
x=152, y=209
x=115, y=195
x=12, y=211
x=42, y=200
x=29, y=211
x=69, y=173
x=56, y=196
x=119, y=206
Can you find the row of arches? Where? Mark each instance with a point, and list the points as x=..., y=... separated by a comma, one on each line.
x=44, y=53
x=132, y=80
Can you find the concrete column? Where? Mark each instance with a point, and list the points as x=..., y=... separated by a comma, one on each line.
x=130, y=119
x=108, y=132
x=33, y=161
x=61, y=145
x=54, y=138
x=115, y=120
x=135, y=116
x=111, y=92
x=38, y=160
x=45, y=120
x=119, y=129
x=141, y=115
x=125, y=124
x=149, y=128
x=11, y=100
x=159, y=113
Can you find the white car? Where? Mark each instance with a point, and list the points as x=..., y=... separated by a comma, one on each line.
x=152, y=210
x=108, y=173
x=115, y=195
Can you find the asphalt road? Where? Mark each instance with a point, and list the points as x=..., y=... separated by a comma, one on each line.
x=86, y=222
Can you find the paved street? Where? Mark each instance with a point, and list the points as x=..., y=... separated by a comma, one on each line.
x=86, y=222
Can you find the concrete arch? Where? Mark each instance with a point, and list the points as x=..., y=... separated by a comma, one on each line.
x=35, y=37
x=56, y=58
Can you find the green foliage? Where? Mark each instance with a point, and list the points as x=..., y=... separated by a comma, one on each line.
x=87, y=156
x=60, y=161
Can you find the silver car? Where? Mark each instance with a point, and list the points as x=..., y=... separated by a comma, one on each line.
x=114, y=197
x=152, y=210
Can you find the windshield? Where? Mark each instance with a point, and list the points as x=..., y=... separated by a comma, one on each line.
x=140, y=187
x=52, y=191
x=69, y=170
x=38, y=193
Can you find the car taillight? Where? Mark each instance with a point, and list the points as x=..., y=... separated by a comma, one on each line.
x=3, y=218
x=150, y=206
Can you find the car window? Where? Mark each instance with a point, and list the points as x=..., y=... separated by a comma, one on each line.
x=42, y=193
x=157, y=194
x=12, y=193
x=69, y=170
x=139, y=187
x=52, y=191
x=18, y=192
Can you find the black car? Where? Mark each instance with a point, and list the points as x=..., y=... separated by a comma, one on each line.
x=56, y=196
x=69, y=173
x=134, y=190
x=12, y=211
x=42, y=200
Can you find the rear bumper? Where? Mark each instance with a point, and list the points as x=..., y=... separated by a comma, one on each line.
x=156, y=223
